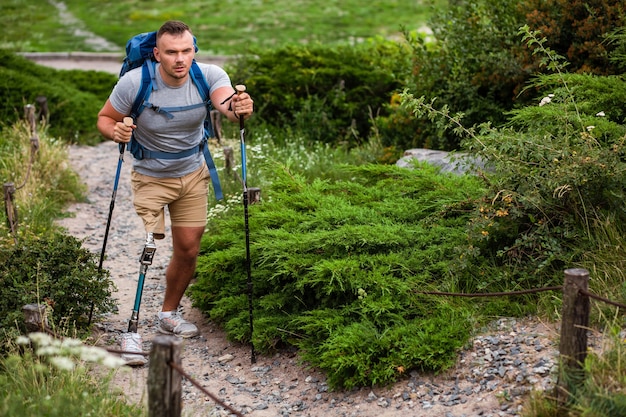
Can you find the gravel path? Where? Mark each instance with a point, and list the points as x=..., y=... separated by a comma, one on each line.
x=492, y=377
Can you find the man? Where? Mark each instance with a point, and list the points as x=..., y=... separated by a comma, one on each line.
x=180, y=184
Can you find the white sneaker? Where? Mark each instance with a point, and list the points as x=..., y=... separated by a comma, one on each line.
x=131, y=342
x=177, y=325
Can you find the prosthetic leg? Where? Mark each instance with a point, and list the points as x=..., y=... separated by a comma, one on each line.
x=131, y=341
x=146, y=259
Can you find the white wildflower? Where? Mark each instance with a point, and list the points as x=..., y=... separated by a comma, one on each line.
x=590, y=128
x=600, y=114
x=23, y=341
x=113, y=361
x=40, y=338
x=546, y=100
x=63, y=363
x=47, y=351
x=71, y=342
x=92, y=354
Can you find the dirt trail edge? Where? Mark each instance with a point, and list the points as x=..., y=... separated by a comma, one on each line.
x=491, y=378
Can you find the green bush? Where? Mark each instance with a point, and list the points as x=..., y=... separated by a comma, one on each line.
x=556, y=178
x=470, y=67
x=617, y=39
x=328, y=94
x=336, y=266
x=74, y=97
x=53, y=270
x=577, y=30
x=477, y=66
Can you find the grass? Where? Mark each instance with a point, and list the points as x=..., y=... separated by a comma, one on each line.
x=60, y=379
x=34, y=26
x=599, y=389
x=47, y=187
x=222, y=28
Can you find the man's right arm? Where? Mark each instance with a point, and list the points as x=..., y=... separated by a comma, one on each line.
x=111, y=126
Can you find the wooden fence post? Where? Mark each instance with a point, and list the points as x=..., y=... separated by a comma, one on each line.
x=229, y=159
x=29, y=115
x=35, y=317
x=10, y=209
x=164, y=382
x=44, y=114
x=216, y=121
x=574, y=326
x=254, y=195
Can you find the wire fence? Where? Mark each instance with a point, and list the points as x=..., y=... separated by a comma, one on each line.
x=523, y=292
x=178, y=368
x=164, y=357
x=166, y=371
x=572, y=349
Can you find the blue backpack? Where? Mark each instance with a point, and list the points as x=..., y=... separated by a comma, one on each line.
x=139, y=53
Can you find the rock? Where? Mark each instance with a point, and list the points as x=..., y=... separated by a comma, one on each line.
x=226, y=358
x=457, y=163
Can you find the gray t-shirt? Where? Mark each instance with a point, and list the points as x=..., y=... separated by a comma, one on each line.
x=156, y=131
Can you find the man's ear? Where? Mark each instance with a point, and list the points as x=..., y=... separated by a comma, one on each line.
x=155, y=52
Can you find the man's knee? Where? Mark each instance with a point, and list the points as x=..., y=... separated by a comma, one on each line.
x=186, y=242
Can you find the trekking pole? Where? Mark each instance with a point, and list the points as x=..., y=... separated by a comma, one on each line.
x=242, y=133
x=128, y=121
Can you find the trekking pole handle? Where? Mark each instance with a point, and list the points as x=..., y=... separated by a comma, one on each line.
x=240, y=88
x=128, y=121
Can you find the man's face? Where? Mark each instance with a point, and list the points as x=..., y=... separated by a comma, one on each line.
x=175, y=53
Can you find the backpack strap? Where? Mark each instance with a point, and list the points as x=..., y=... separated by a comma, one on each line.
x=167, y=111
x=141, y=152
x=217, y=188
x=198, y=79
x=148, y=77
x=203, y=87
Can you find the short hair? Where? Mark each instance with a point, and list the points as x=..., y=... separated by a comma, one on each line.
x=173, y=27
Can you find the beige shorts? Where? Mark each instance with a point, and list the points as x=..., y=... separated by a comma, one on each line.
x=186, y=199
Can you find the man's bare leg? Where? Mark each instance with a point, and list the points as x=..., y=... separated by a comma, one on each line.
x=180, y=271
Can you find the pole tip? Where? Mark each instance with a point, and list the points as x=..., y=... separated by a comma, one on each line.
x=240, y=88
x=128, y=121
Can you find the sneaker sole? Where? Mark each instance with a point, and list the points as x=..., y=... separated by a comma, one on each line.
x=138, y=360
x=184, y=336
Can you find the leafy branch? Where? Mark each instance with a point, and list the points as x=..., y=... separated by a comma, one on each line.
x=550, y=60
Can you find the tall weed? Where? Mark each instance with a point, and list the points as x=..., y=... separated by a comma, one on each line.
x=554, y=173
x=44, y=181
